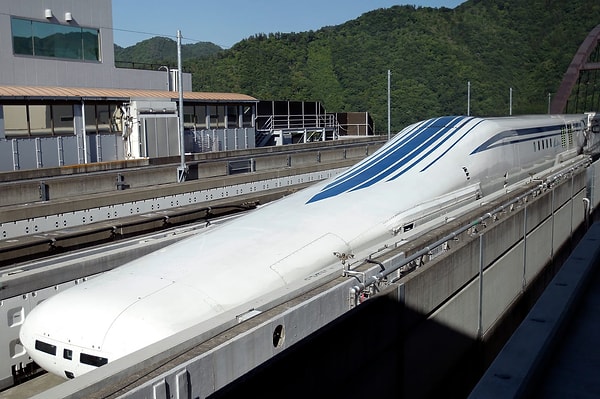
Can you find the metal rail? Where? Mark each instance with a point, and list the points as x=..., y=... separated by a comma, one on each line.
x=545, y=183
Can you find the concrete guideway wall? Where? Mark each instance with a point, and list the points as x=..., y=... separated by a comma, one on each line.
x=512, y=253
x=504, y=244
x=443, y=294
x=35, y=219
x=81, y=200
x=593, y=191
x=63, y=185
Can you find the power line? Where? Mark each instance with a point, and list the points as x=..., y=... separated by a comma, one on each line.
x=151, y=35
x=174, y=37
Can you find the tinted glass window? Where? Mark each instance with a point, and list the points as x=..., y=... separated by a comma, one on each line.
x=92, y=360
x=45, y=347
x=44, y=39
x=22, y=39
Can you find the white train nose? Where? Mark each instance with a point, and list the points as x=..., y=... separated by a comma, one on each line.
x=49, y=333
x=41, y=349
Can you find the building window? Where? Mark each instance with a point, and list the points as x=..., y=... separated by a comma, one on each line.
x=217, y=116
x=247, y=116
x=44, y=39
x=62, y=118
x=40, y=120
x=91, y=120
x=200, y=112
x=15, y=121
x=189, y=121
x=232, y=116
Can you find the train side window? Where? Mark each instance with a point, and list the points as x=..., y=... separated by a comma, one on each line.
x=68, y=354
x=45, y=347
x=92, y=360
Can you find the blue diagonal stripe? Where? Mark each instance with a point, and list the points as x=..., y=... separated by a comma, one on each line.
x=401, y=153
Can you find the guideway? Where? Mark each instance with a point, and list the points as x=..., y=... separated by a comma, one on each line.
x=408, y=320
x=93, y=207
x=86, y=214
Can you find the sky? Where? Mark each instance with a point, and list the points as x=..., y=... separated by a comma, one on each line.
x=226, y=22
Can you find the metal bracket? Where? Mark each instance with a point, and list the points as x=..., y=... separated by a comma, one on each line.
x=182, y=172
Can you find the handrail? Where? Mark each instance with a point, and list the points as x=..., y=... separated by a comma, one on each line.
x=311, y=121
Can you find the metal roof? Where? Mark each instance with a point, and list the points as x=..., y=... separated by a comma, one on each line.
x=84, y=93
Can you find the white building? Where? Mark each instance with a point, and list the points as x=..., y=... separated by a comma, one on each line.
x=63, y=101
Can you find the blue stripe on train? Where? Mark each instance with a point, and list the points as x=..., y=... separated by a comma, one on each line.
x=409, y=149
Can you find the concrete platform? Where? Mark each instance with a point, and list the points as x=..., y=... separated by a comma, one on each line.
x=555, y=351
x=32, y=387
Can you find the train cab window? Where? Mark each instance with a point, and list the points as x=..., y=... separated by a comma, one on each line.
x=45, y=347
x=92, y=360
x=68, y=354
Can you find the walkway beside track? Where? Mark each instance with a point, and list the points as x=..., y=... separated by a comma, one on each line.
x=554, y=352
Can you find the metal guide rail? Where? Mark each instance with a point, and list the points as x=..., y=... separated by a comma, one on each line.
x=67, y=231
x=395, y=261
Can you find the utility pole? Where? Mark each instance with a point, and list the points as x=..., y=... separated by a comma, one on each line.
x=389, y=105
x=469, y=98
x=182, y=169
x=510, y=102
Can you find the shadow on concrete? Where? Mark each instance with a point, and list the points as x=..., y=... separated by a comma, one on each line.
x=378, y=350
x=381, y=349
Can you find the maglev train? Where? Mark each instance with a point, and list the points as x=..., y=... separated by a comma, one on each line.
x=243, y=264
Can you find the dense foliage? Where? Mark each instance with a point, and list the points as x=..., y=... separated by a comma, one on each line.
x=432, y=54
x=161, y=50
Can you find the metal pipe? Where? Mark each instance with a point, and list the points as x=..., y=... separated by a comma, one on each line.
x=168, y=76
x=480, y=316
x=84, y=133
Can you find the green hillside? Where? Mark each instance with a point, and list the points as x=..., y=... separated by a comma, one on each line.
x=161, y=50
x=432, y=53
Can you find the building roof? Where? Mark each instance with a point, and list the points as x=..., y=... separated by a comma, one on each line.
x=83, y=93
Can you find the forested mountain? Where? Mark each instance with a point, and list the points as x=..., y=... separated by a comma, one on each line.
x=161, y=50
x=432, y=53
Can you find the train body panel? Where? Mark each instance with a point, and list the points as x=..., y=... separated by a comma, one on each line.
x=246, y=262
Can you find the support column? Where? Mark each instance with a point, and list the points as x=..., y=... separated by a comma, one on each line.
x=79, y=127
x=2, y=134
